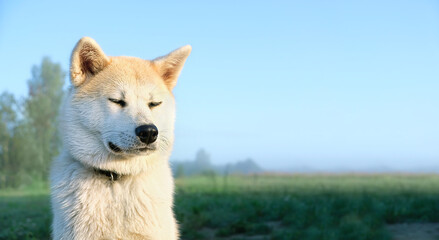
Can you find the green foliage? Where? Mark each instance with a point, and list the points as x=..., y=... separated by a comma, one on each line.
x=41, y=112
x=25, y=215
x=337, y=207
x=304, y=207
x=28, y=128
x=8, y=118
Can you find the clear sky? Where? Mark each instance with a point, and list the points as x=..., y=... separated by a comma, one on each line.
x=324, y=84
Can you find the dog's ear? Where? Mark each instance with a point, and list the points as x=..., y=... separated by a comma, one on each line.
x=169, y=66
x=87, y=60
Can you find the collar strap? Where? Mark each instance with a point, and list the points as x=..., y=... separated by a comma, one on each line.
x=112, y=176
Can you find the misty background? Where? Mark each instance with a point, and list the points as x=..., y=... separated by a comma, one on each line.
x=291, y=86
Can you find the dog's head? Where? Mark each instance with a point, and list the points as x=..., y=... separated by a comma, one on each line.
x=120, y=111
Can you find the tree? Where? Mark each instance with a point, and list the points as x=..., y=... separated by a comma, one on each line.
x=202, y=160
x=8, y=121
x=28, y=129
x=41, y=115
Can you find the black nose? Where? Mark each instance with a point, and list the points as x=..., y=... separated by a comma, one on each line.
x=147, y=133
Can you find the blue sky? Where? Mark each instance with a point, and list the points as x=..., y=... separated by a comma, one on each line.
x=325, y=84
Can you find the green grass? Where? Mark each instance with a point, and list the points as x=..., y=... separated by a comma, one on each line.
x=272, y=207
x=25, y=213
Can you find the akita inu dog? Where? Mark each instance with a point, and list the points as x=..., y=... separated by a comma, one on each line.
x=112, y=179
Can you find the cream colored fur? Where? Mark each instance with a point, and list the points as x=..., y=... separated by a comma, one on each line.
x=87, y=205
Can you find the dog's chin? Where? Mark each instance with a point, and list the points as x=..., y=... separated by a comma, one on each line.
x=141, y=150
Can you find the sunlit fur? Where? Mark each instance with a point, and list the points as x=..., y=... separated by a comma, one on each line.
x=86, y=204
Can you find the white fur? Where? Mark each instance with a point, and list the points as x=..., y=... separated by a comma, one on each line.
x=86, y=204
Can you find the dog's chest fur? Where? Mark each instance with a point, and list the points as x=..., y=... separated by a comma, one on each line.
x=133, y=207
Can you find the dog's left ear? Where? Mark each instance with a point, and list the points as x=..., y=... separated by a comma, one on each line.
x=169, y=66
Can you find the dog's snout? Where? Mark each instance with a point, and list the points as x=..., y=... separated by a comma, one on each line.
x=147, y=133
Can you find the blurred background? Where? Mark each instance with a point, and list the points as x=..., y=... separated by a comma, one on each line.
x=291, y=85
x=274, y=87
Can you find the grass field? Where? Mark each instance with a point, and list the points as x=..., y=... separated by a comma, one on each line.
x=265, y=207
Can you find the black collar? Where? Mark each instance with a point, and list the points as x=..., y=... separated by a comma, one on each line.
x=112, y=176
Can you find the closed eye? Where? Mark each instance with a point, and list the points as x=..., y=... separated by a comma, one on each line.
x=154, y=104
x=121, y=103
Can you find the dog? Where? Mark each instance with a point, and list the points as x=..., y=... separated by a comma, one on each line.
x=112, y=179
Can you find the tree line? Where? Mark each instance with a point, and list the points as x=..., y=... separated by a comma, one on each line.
x=29, y=138
x=202, y=165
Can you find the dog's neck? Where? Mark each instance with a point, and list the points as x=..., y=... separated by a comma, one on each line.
x=110, y=175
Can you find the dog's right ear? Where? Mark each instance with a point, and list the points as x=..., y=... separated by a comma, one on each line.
x=87, y=60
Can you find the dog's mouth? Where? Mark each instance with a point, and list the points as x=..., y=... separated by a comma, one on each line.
x=117, y=149
x=114, y=148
